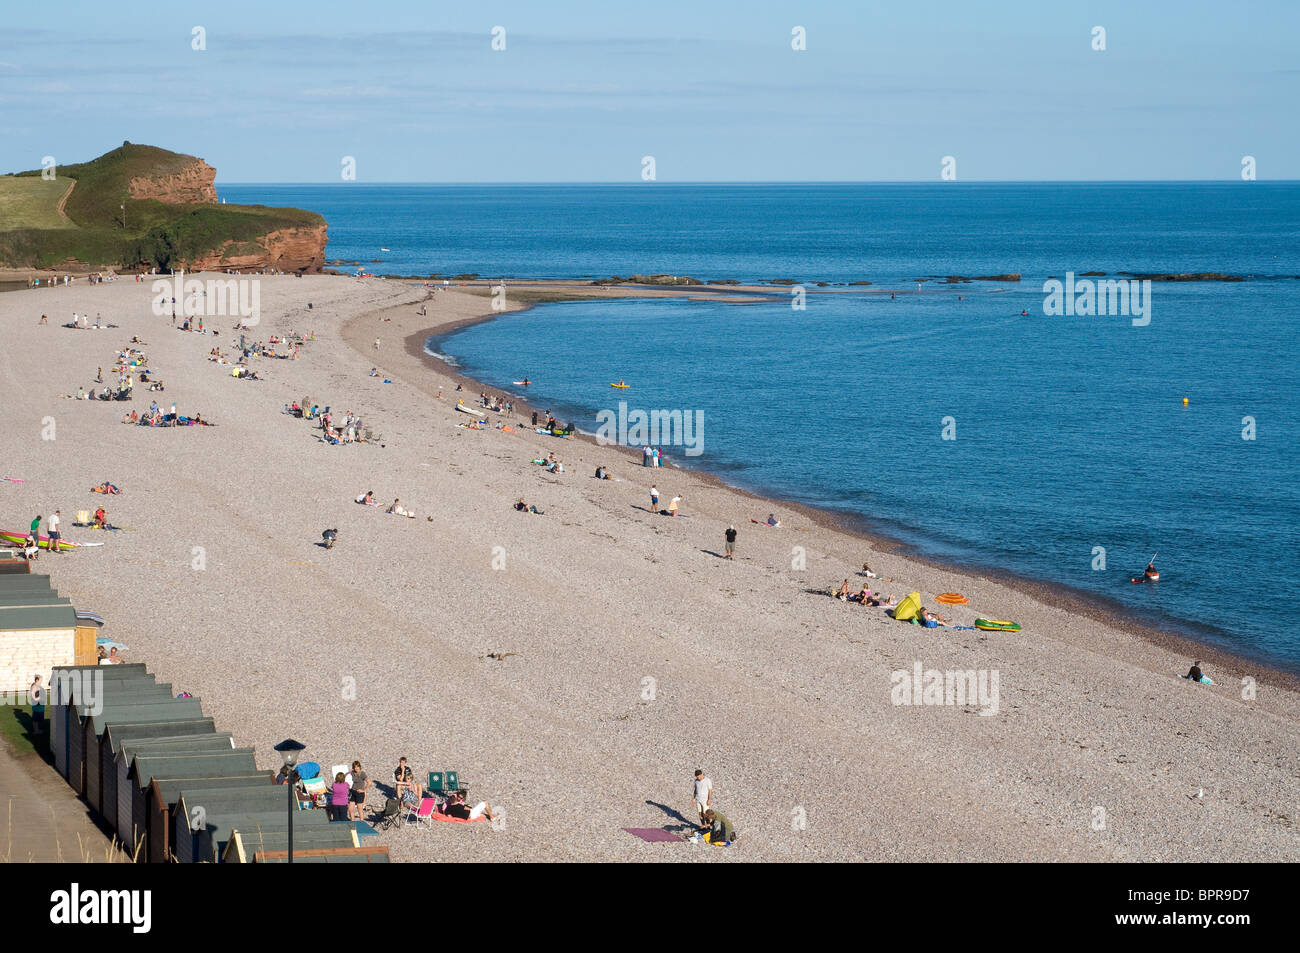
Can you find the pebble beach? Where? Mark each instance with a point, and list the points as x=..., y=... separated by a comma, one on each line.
x=575, y=667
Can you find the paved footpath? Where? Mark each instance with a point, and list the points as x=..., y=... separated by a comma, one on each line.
x=41, y=820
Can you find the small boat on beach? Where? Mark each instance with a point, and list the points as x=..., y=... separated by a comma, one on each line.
x=466, y=409
x=997, y=625
x=43, y=541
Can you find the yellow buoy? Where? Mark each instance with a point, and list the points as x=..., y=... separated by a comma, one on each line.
x=1184, y=401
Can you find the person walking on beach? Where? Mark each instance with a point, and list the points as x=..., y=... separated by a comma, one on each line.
x=54, y=532
x=731, y=542
x=654, y=499
x=36, y=528
x=702, y=794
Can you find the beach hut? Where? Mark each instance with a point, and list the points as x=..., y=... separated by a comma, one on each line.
x=39, y=631
x=82, y=736
x=130, y=748
x=204, y=819
x=73, y=691
x=145, y=769
x=327, y=855
x=11, y=563
x=93, y=727
x=309, y=846
x=65, y=682
x=115, y=735
x=162, y=799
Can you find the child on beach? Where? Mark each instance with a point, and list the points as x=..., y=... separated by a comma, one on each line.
x=654, y=499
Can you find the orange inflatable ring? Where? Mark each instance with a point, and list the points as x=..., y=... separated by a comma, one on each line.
x=951, y=599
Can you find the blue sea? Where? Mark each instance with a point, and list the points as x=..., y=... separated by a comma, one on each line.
x=1070, y=455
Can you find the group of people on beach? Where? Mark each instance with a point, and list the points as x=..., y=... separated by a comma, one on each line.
x=334, y=431
x=866, y=597
x=344, y=795
x=713, y=823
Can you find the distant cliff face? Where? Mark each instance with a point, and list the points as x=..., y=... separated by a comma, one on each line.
x=290, y=249
x=191, y=185
x=139, y=205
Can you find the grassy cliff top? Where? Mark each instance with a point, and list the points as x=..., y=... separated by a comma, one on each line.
x=80, y=214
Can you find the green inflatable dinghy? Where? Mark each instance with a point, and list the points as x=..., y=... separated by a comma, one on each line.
x=997, y=625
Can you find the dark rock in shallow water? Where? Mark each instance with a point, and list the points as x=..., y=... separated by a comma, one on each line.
x=1092, y=274
x=958, y=279
x=852, y=283
x=649, y=280
x=1181, y=276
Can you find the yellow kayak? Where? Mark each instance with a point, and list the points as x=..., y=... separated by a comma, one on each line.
x=621, y=386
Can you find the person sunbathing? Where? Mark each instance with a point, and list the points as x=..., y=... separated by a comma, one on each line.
x=932, y=619
x=456, y=807
x=368, y=498
x=843, y=593
x=773, y=521
x=101, y=519
x=523, y=507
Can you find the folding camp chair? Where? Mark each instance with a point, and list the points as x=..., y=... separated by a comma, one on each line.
x=389, y=816
x=452, y=781
x=435, y=782
x=422, y=813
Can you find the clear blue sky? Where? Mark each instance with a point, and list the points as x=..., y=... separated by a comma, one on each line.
x=1013, y=90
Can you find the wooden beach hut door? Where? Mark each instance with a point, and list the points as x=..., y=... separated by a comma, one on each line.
x=108, y=783
x=93, y=786
x=59, y=740
x=76, y=752
x=124, y=783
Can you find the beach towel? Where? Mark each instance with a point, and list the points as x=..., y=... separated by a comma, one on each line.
x=456, y=820
x=653, y=835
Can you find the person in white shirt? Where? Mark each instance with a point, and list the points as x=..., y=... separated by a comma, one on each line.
x=703, y=795
x=53, y=531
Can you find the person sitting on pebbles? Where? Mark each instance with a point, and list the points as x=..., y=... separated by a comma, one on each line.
x=523, y=507
x=398, y=510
